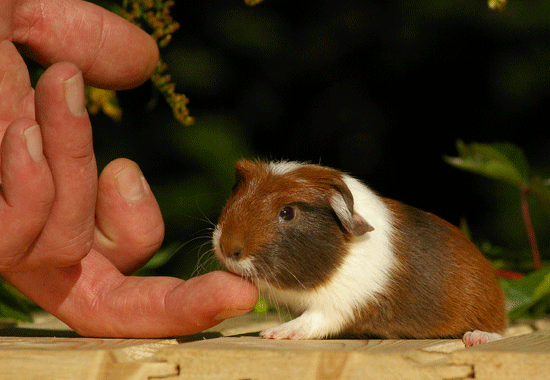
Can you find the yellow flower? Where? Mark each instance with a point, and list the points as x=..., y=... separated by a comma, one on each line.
x=106, y=101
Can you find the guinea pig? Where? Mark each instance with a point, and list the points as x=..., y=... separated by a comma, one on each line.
x=323, y=245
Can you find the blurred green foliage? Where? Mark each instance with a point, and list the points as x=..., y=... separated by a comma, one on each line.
x=14, y=306
x=501, y=161
x=530, y=296
x=379, y=89
x=505, y=162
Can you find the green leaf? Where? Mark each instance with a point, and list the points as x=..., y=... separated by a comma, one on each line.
x=543, y=289
x=11, y=313
x=527, y=292
x=14, y=305
x=159, y=259
x=500, y=161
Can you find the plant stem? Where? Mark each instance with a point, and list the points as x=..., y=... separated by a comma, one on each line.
x=525, y=189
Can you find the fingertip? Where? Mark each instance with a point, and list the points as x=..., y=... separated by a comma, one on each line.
x=24, y=168
x=27, y=194
x=244, y=294
x=33, y=139
x=127, y=178
x=58, y=72
x=117, y=67
x=218, y=296
x=60, y=95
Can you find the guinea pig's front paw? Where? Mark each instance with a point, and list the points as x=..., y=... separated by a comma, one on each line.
x=282, y=332
x=476, y=337
x=306, y=326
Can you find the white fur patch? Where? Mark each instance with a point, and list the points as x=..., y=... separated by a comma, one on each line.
x=283, y=167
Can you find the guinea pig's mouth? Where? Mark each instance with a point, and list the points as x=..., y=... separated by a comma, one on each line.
x=244, y=267
x=241, y=267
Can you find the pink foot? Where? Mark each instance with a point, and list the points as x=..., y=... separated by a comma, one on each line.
x=473, y=338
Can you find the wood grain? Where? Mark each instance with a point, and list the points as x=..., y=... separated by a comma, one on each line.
x=82, y=358
x=33, y=351
x=255, y=358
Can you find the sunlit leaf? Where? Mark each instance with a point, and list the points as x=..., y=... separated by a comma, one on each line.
x=525, y=293
x=500, y=161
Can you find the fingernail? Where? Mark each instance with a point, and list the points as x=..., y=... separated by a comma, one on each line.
x=34, y=143
x=130, y=184
x=230, y=313
x=74, y=94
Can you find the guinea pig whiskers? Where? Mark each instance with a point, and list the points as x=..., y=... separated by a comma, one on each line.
x=205, y=259
x=204, y=262
x=204, y=218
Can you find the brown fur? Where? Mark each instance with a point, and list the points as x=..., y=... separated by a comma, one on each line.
x=443, y=287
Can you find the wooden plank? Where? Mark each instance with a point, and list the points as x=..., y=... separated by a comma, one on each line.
x=250, y=357
x=82, y=358
x=31, y=351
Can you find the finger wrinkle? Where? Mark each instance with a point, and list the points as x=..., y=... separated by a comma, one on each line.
x=82, y=158
x=73, y=249
x=100, y=45
x=27, y=16
x=11, y=261
x=85, y=159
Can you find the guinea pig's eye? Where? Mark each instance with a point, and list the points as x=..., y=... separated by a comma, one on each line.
x=287, y=213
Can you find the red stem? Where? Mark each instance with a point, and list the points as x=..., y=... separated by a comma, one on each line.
x=509, y=274
x=529, y=227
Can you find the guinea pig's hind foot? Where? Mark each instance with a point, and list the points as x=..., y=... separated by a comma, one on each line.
x=473, y=338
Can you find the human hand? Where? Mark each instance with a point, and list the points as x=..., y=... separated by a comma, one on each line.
x=67, y=238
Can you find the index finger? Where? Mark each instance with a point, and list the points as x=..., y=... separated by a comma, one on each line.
x=110, y=51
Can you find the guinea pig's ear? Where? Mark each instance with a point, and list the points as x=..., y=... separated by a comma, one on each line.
x=243, y=168
x=341, y=202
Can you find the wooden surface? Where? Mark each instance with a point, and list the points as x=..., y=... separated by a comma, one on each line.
x=49, y=350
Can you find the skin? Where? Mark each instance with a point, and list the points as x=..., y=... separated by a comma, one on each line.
x=68, y=238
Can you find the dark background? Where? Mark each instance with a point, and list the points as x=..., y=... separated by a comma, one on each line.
x=380, y=89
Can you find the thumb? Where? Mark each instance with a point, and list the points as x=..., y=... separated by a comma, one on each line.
x=129, y=225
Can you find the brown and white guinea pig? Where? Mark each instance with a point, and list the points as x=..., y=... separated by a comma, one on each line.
x=347, y=261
